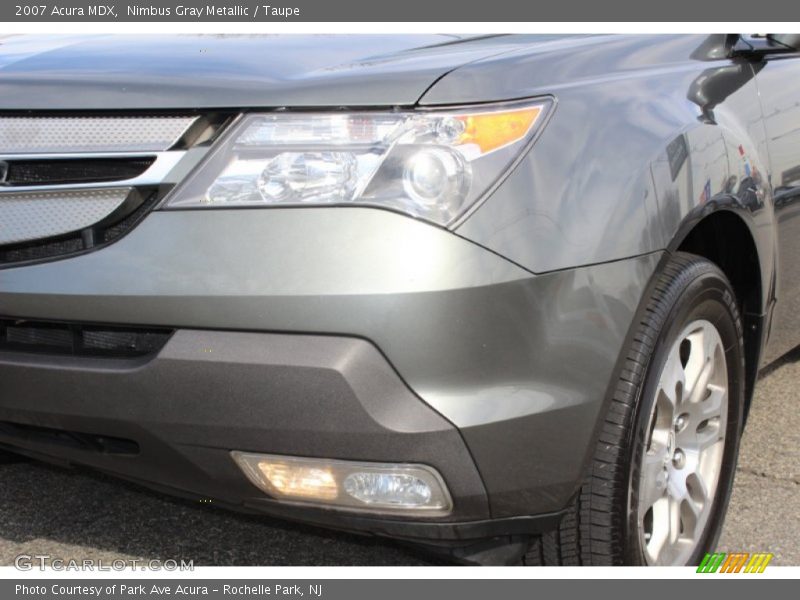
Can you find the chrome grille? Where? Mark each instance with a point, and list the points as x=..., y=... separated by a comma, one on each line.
x=71, y=183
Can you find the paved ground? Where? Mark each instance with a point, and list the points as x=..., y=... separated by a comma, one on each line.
x=764, y=514
x=73, y=514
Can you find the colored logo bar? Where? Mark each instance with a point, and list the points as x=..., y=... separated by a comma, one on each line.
x=735, y=562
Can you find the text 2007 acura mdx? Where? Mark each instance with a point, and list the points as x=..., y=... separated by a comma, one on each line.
x=504, y=296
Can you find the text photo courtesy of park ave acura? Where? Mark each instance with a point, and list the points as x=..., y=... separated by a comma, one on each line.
x=399, y=299
x=166, y=590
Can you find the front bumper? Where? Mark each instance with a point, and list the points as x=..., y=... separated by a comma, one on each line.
x=207, y=392
x=341, y=333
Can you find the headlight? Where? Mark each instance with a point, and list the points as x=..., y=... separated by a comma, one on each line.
x=431, y=164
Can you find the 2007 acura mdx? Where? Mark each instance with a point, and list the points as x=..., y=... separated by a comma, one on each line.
x=503, y=296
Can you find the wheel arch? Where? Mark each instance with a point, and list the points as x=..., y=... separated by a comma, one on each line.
x=724, y=236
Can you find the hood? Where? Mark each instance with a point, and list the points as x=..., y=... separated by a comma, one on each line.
x=223, y=71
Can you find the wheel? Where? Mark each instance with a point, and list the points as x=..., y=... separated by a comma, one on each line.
x=663, y=467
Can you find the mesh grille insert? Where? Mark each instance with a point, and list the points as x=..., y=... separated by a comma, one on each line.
x=91, y=134
x=71, y=183
x=73, y=170
x=26, y=216
x=74, y=243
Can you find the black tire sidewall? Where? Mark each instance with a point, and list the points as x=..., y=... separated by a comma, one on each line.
x=708, y=296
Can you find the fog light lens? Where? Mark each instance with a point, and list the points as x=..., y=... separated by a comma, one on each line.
x=377, y=487
x=387, y=489
x=299, y=481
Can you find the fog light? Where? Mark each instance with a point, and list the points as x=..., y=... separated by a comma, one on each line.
x=360, y=486
x=396, y=489
x=299, y=481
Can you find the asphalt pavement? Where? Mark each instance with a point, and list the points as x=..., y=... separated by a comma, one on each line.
x=76, y=514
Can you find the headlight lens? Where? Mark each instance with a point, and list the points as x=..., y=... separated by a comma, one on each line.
x=431, y=164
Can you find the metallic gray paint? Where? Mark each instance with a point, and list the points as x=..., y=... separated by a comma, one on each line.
x=207, y=391
x=485, y=343
x=781, y=128
x=621, y=101
x=511, y=326
x=214, y=71
x=602, y=165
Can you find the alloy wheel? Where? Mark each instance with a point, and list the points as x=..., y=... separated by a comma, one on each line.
x=682, y=455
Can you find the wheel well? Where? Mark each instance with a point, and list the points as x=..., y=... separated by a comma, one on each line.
x=724, y=239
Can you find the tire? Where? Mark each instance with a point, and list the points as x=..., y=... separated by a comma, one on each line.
x=610, y=522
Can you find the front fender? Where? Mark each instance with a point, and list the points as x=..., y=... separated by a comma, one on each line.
x=646, y=132
x=720, y=165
